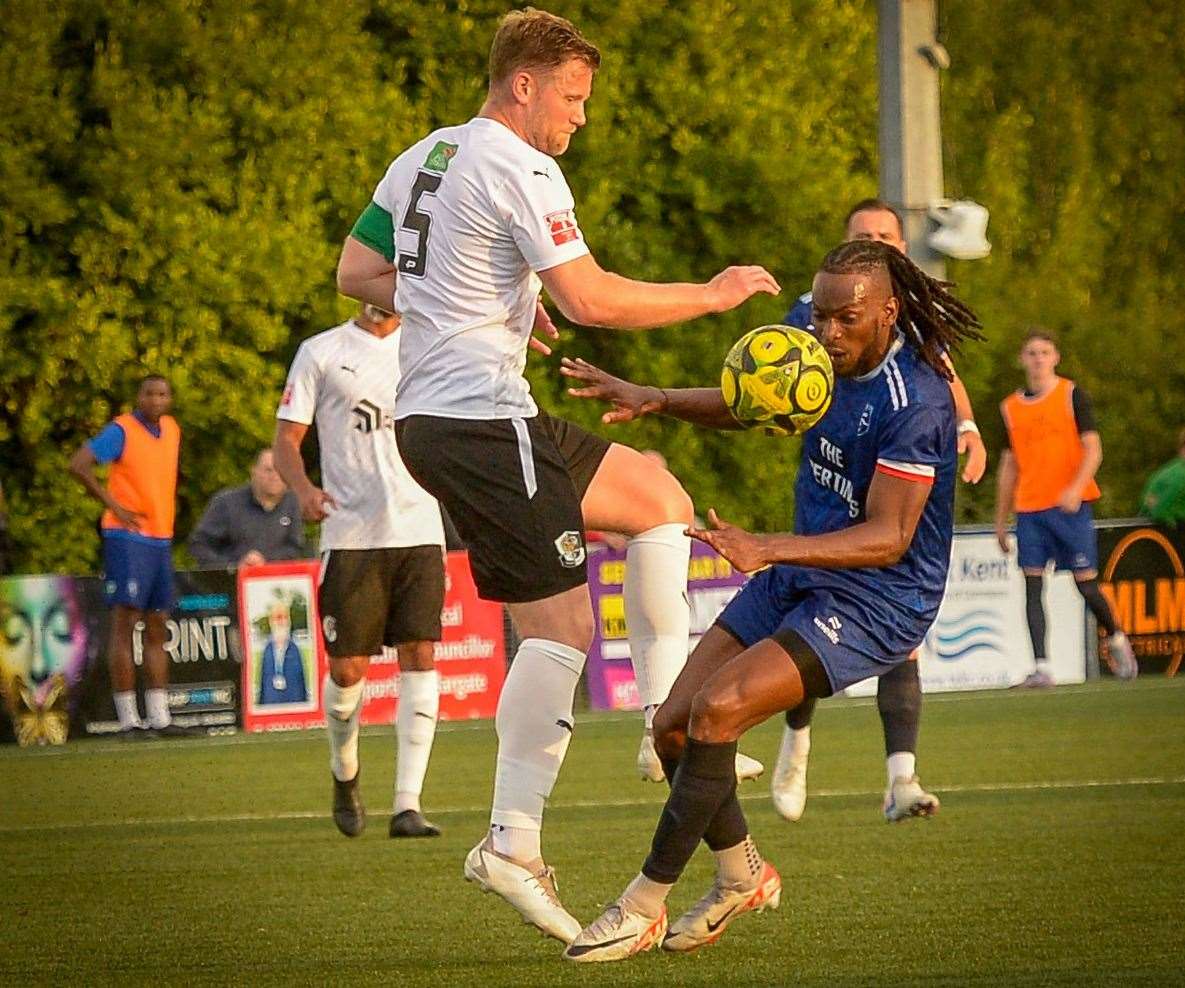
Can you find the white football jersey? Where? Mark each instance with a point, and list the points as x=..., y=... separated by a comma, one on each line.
x=475, y=211
x=344, y=379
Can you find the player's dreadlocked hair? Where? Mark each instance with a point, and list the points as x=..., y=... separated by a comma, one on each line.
x=939, y=320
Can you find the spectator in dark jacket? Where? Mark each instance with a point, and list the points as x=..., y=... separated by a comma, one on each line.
x=250, y=524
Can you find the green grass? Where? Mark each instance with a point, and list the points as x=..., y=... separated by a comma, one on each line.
x=1057, y=857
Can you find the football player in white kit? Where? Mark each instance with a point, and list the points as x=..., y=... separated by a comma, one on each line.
x=463, y=230
x=382, y=566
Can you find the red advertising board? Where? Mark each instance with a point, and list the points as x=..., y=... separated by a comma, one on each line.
x=284, y=660
x=470, y=657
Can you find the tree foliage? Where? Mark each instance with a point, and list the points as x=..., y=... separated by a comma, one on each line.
x=176, y=178
x=1065, y=119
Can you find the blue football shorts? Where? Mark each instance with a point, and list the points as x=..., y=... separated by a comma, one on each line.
x=853, y=638
x=138, y=574
x=1068, y=540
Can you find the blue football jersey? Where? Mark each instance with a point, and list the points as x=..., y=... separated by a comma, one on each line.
x=898, y=419
x=799, y=315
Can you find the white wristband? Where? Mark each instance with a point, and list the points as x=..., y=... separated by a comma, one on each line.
x=967, y=425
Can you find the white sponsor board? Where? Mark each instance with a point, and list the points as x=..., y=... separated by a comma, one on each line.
x=980, y=639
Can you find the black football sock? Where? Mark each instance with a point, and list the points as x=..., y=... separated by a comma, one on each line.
x=1035, y=612
x=1098, y=605
x=728, y=827
x=669, y=767
x=705, y=779
x=899, y=700
x=729, y=821
x=799, y=717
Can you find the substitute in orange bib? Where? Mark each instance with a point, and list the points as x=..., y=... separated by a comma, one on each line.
x=142, y=448
x=1047, y=476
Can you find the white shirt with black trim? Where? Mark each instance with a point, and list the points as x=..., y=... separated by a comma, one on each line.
x=344, y=380
x=476, y=212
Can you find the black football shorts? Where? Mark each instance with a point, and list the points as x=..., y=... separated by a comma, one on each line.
x=513, y=489
x=369, y=598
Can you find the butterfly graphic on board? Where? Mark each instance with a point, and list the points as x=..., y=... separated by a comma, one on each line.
x=44, y=722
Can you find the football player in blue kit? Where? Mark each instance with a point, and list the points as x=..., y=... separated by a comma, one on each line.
x=899, y=691
x=848, y=595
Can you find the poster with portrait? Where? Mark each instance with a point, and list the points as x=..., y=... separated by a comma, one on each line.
x=283, y=660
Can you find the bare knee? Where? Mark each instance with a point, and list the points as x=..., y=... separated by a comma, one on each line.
x=676, y=502
x=416, y=657
x=348, y=671
x=717, y=715
x=582, y=631
x=574, y=628
x=565, y=618
x=667, y=502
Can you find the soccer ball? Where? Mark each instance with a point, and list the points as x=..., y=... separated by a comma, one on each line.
x=778, y=378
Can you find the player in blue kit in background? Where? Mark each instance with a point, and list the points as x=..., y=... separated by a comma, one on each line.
x=847, y=596
x=899, y=692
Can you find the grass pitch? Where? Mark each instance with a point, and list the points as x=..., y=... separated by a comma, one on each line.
x=1057, y=857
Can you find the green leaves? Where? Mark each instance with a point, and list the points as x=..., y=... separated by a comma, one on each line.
x=176, y=180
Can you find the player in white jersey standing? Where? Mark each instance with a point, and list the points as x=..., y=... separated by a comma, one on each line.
x=462, y=232
x=382, y=575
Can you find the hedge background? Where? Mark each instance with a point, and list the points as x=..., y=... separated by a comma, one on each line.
x=176, y=179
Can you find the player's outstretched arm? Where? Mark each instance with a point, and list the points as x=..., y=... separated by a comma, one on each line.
x=699, y=406
x=366, y=275
x=892, y=513
x=591, y=296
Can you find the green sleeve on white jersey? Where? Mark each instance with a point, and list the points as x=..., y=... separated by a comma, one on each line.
x=376, y=230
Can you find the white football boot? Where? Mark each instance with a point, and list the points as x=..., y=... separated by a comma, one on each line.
x=747, y=768
x=616, y=934
x=649, y=764
x=533, y=892
x=788, y=787
x=651, y=770
x=906, y=798
x=706, y=921
x=1123, y=658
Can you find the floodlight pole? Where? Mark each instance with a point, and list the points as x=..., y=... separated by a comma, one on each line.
x=909, y=57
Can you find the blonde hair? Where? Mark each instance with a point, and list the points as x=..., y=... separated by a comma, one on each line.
x=535, y=39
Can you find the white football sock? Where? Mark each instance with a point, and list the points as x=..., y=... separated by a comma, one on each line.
x=517, y=843
x=901, y=765
x=656, y=610
x=125, y=710
x=343, y=707
x=415, y=728
x=156, y=708
x=1045, y=666
x=740, y=865
x=646, y=896
x=534, y=724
